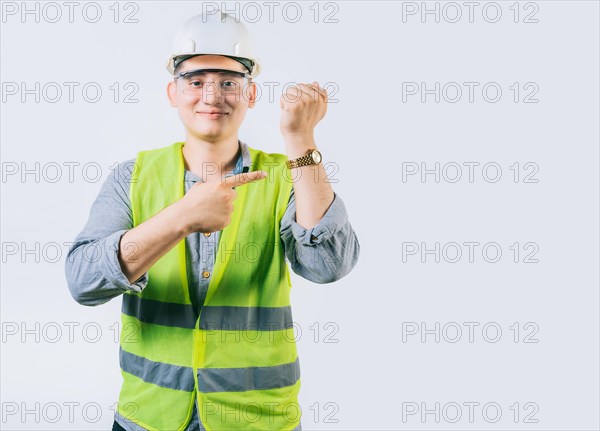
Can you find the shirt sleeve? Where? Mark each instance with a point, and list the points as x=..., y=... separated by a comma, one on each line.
x=92, y=267
x=325, y=253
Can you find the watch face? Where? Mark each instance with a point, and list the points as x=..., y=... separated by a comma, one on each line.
x=316, y=155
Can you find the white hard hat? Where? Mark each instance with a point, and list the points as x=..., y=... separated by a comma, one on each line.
x=214, y=33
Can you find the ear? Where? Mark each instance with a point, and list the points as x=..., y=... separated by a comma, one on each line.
x=251, y=95
x=171, y=91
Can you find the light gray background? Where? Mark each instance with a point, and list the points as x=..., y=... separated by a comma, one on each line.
x=370, y=372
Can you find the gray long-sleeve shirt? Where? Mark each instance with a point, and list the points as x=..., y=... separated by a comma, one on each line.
x=323, y=254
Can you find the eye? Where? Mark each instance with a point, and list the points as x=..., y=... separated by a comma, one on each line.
x=196, y=83
x=229, y=84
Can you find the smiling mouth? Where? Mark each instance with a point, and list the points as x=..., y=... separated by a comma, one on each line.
x=211, y=113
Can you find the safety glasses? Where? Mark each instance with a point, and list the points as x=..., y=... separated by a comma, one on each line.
x=197, y=82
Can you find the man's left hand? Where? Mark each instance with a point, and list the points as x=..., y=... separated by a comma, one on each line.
x=302, y=106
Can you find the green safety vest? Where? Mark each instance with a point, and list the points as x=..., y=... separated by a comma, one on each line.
x=238, y=356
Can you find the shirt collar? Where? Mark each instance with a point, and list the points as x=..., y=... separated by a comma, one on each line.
x=243, y=161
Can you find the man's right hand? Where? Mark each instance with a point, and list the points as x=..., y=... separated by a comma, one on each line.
x=207, y=206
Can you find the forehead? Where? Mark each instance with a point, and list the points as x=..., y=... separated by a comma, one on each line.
x=211, y=62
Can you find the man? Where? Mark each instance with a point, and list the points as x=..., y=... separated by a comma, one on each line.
x=194, y=237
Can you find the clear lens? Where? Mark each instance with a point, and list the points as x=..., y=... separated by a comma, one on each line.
x=211, y=82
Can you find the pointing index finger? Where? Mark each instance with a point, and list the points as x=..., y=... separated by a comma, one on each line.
x=244, y=178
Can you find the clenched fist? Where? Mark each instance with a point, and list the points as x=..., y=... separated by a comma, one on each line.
x=302, y=106
x=207, y=207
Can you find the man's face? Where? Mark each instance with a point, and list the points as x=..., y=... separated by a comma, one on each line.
x=197, y=108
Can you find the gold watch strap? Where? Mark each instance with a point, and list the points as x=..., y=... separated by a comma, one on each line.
x=301, y=161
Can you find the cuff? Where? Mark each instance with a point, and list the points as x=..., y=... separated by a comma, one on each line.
x=111, y=267
x=333, y=220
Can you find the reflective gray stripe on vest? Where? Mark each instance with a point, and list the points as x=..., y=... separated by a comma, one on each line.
x=158, y=373
x=231, y=318
x=159, y=313
x=248, y=379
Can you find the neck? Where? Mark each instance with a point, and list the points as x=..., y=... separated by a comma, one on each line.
x=210, y=159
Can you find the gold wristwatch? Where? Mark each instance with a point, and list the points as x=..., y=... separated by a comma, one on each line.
x=313, y=157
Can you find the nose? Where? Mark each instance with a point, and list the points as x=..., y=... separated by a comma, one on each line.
x=211, y=93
